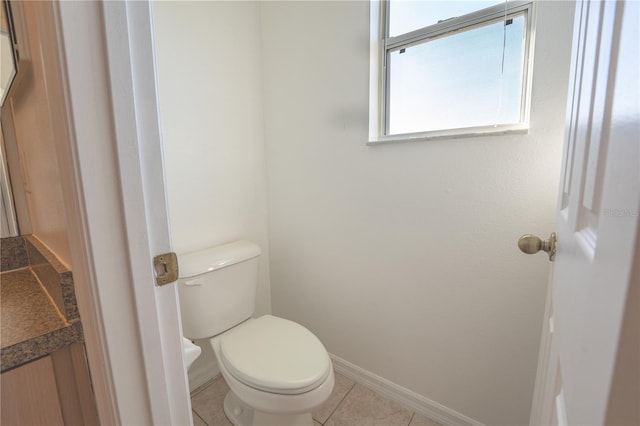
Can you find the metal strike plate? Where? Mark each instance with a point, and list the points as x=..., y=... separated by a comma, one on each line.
x=166, y=267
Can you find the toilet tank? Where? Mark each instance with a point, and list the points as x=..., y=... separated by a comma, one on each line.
x=217, y=288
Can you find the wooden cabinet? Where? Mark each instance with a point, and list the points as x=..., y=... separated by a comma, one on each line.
x=30, y=396
x=54, y=390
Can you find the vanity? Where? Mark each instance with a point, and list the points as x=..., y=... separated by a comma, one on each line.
x=45, y=376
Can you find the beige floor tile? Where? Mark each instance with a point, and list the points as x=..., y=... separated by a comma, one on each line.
x=197, y=421
x=363, y=407
x=204, y=386
x=340, y=389
x=208, y=403
x=420, y=420
x=315, y=423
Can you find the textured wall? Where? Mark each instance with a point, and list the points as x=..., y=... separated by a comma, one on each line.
x=403, y=258
x=210, y=94
x=211, y=119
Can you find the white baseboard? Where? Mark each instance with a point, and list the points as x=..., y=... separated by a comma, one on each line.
x=199, y=374
x=401, y=395
x=206, y=369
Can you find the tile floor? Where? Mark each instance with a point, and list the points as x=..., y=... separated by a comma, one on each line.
x=350, y=404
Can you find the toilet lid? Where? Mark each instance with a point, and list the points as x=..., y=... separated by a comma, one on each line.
x=275, y=355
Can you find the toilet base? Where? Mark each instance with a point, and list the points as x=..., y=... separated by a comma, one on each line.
x=241, y=414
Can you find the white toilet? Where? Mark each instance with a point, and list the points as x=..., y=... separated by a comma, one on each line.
x=277, y=370
x=191, y=352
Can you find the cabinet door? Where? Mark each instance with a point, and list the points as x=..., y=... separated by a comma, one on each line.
x=30, y=396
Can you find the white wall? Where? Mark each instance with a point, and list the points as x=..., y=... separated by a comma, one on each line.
x=402, y=258
x=210, y=94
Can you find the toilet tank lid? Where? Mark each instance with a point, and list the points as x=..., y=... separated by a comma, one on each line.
x=207, y=260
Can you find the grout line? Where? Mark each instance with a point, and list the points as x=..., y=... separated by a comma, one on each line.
x=411, y=419
x=203, y=386
x=341, y=401
x=198, y=416
x=408, y=399
x=8, y=271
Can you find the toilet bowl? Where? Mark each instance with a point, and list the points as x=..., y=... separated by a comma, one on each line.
x=276, y=369
x=277, y=372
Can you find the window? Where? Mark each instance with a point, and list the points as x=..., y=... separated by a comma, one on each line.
x=449, y=68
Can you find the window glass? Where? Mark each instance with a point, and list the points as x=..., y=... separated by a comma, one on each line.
x=458, y=80
x=410, y=15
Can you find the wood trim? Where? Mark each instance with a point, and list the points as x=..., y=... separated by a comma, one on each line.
x=74, y=386
x=86, y=396
x=65, y=382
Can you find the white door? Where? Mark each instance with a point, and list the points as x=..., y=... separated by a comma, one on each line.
x=597, y=218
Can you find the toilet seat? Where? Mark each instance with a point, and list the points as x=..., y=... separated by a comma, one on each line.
x=275, y=355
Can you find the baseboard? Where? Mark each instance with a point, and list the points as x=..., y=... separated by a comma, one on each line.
x=202, y=373
x=401, y=395
x=206, y=370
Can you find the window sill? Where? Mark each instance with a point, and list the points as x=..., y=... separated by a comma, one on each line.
x=509, y=129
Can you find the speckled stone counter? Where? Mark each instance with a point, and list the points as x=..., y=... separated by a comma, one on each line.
x=27, y=311
x=37, y=303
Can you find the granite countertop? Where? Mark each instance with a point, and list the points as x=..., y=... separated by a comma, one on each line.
x=27, y=311
x=35, y=320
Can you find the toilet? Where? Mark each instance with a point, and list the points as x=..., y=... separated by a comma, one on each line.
x=191, y=352
x=276, y=369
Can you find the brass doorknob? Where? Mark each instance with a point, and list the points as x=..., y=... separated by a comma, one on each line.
x=531, y=244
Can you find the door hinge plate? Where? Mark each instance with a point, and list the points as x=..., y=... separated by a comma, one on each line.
x=166, y=267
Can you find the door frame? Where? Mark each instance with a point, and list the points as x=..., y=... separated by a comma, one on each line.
x=112, y=176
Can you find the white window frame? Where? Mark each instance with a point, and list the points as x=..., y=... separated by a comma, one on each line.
x=381, y=45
